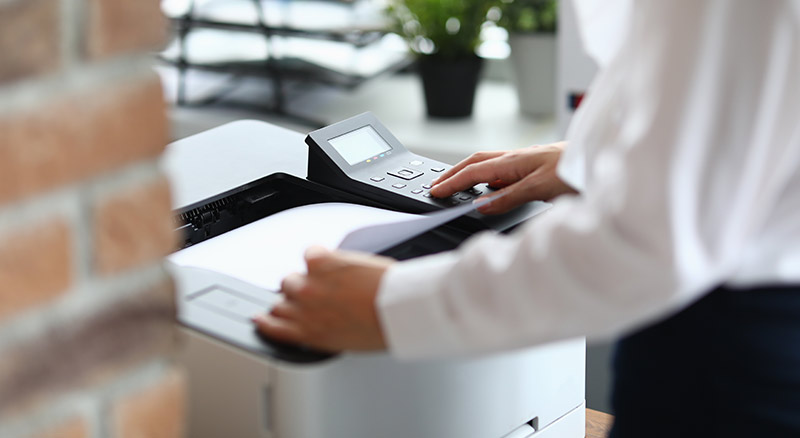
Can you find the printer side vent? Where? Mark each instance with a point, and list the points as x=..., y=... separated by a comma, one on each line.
x=210, y=208
x=230, y=210
x=199, y=223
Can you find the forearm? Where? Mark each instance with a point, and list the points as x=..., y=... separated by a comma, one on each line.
x=562, y=276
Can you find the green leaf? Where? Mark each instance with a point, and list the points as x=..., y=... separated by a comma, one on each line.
x=529, y=15
x=426, y=20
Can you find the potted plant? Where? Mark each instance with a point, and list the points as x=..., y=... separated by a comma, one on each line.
x=444, y=35
x=531, y=26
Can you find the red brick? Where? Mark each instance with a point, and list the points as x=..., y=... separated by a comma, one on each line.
x=133, y=227
x=154, y=412
x=36, y=265
x=80, y=136
x=120, y=26
x=29, y=38
x=74, y=427
x=89, y=351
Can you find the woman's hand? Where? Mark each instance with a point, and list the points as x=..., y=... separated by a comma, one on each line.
x=332, y=307
x=524, y=175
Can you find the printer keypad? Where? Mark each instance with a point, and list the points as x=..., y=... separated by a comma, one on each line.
x=423, y=190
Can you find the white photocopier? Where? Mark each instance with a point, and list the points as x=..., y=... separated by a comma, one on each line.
x=241, y=385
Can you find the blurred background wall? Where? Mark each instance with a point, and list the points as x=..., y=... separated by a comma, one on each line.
x=86, y=309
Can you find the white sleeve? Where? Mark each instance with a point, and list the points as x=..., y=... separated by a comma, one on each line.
x=693, y=134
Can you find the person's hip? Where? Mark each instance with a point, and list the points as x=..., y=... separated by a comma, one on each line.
x=728, y=365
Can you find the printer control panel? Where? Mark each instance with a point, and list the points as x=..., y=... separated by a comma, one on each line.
x=413, y=179
x=360, y=155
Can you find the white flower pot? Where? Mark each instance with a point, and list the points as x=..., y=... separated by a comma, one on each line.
x=533, y=56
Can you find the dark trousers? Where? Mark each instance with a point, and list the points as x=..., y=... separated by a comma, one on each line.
x=727, y=366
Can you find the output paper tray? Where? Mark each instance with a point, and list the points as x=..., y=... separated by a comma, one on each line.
x=214, y=303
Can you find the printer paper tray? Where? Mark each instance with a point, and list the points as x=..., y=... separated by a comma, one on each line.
x=216, y=304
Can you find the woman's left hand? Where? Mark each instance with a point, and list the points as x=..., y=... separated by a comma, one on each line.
x=332, y=307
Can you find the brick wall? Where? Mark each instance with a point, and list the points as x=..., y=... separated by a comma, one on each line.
x=86, y=308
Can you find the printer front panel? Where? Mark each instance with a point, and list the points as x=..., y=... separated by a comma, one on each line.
x=374, y=395
x=229, y=389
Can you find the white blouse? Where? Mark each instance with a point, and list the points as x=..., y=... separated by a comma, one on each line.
x=687, y=153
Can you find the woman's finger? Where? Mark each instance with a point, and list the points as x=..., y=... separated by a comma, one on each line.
x=477, y=157
x=279, y=329
x=482, y=172
x=506, y=199
x=292, y=284
x=285, y=310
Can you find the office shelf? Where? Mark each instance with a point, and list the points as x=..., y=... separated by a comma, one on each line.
x=335, y=43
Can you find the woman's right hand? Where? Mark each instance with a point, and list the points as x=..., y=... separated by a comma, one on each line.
x=524, y=175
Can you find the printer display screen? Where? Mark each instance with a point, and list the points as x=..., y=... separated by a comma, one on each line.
x=359, y=145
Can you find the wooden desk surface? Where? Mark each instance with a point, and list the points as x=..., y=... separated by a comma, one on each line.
x=598, y=424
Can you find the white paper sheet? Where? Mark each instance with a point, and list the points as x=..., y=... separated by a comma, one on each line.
x=265, y=251
x=380, y=236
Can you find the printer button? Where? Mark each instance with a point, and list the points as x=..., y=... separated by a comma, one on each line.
x=405, y=173
x=377, y=178
x=465, y=197
x=416, y=162
x=398, y=186
x=437, y=169
x=427, y=195
x=426, y=186
x=416, y=191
